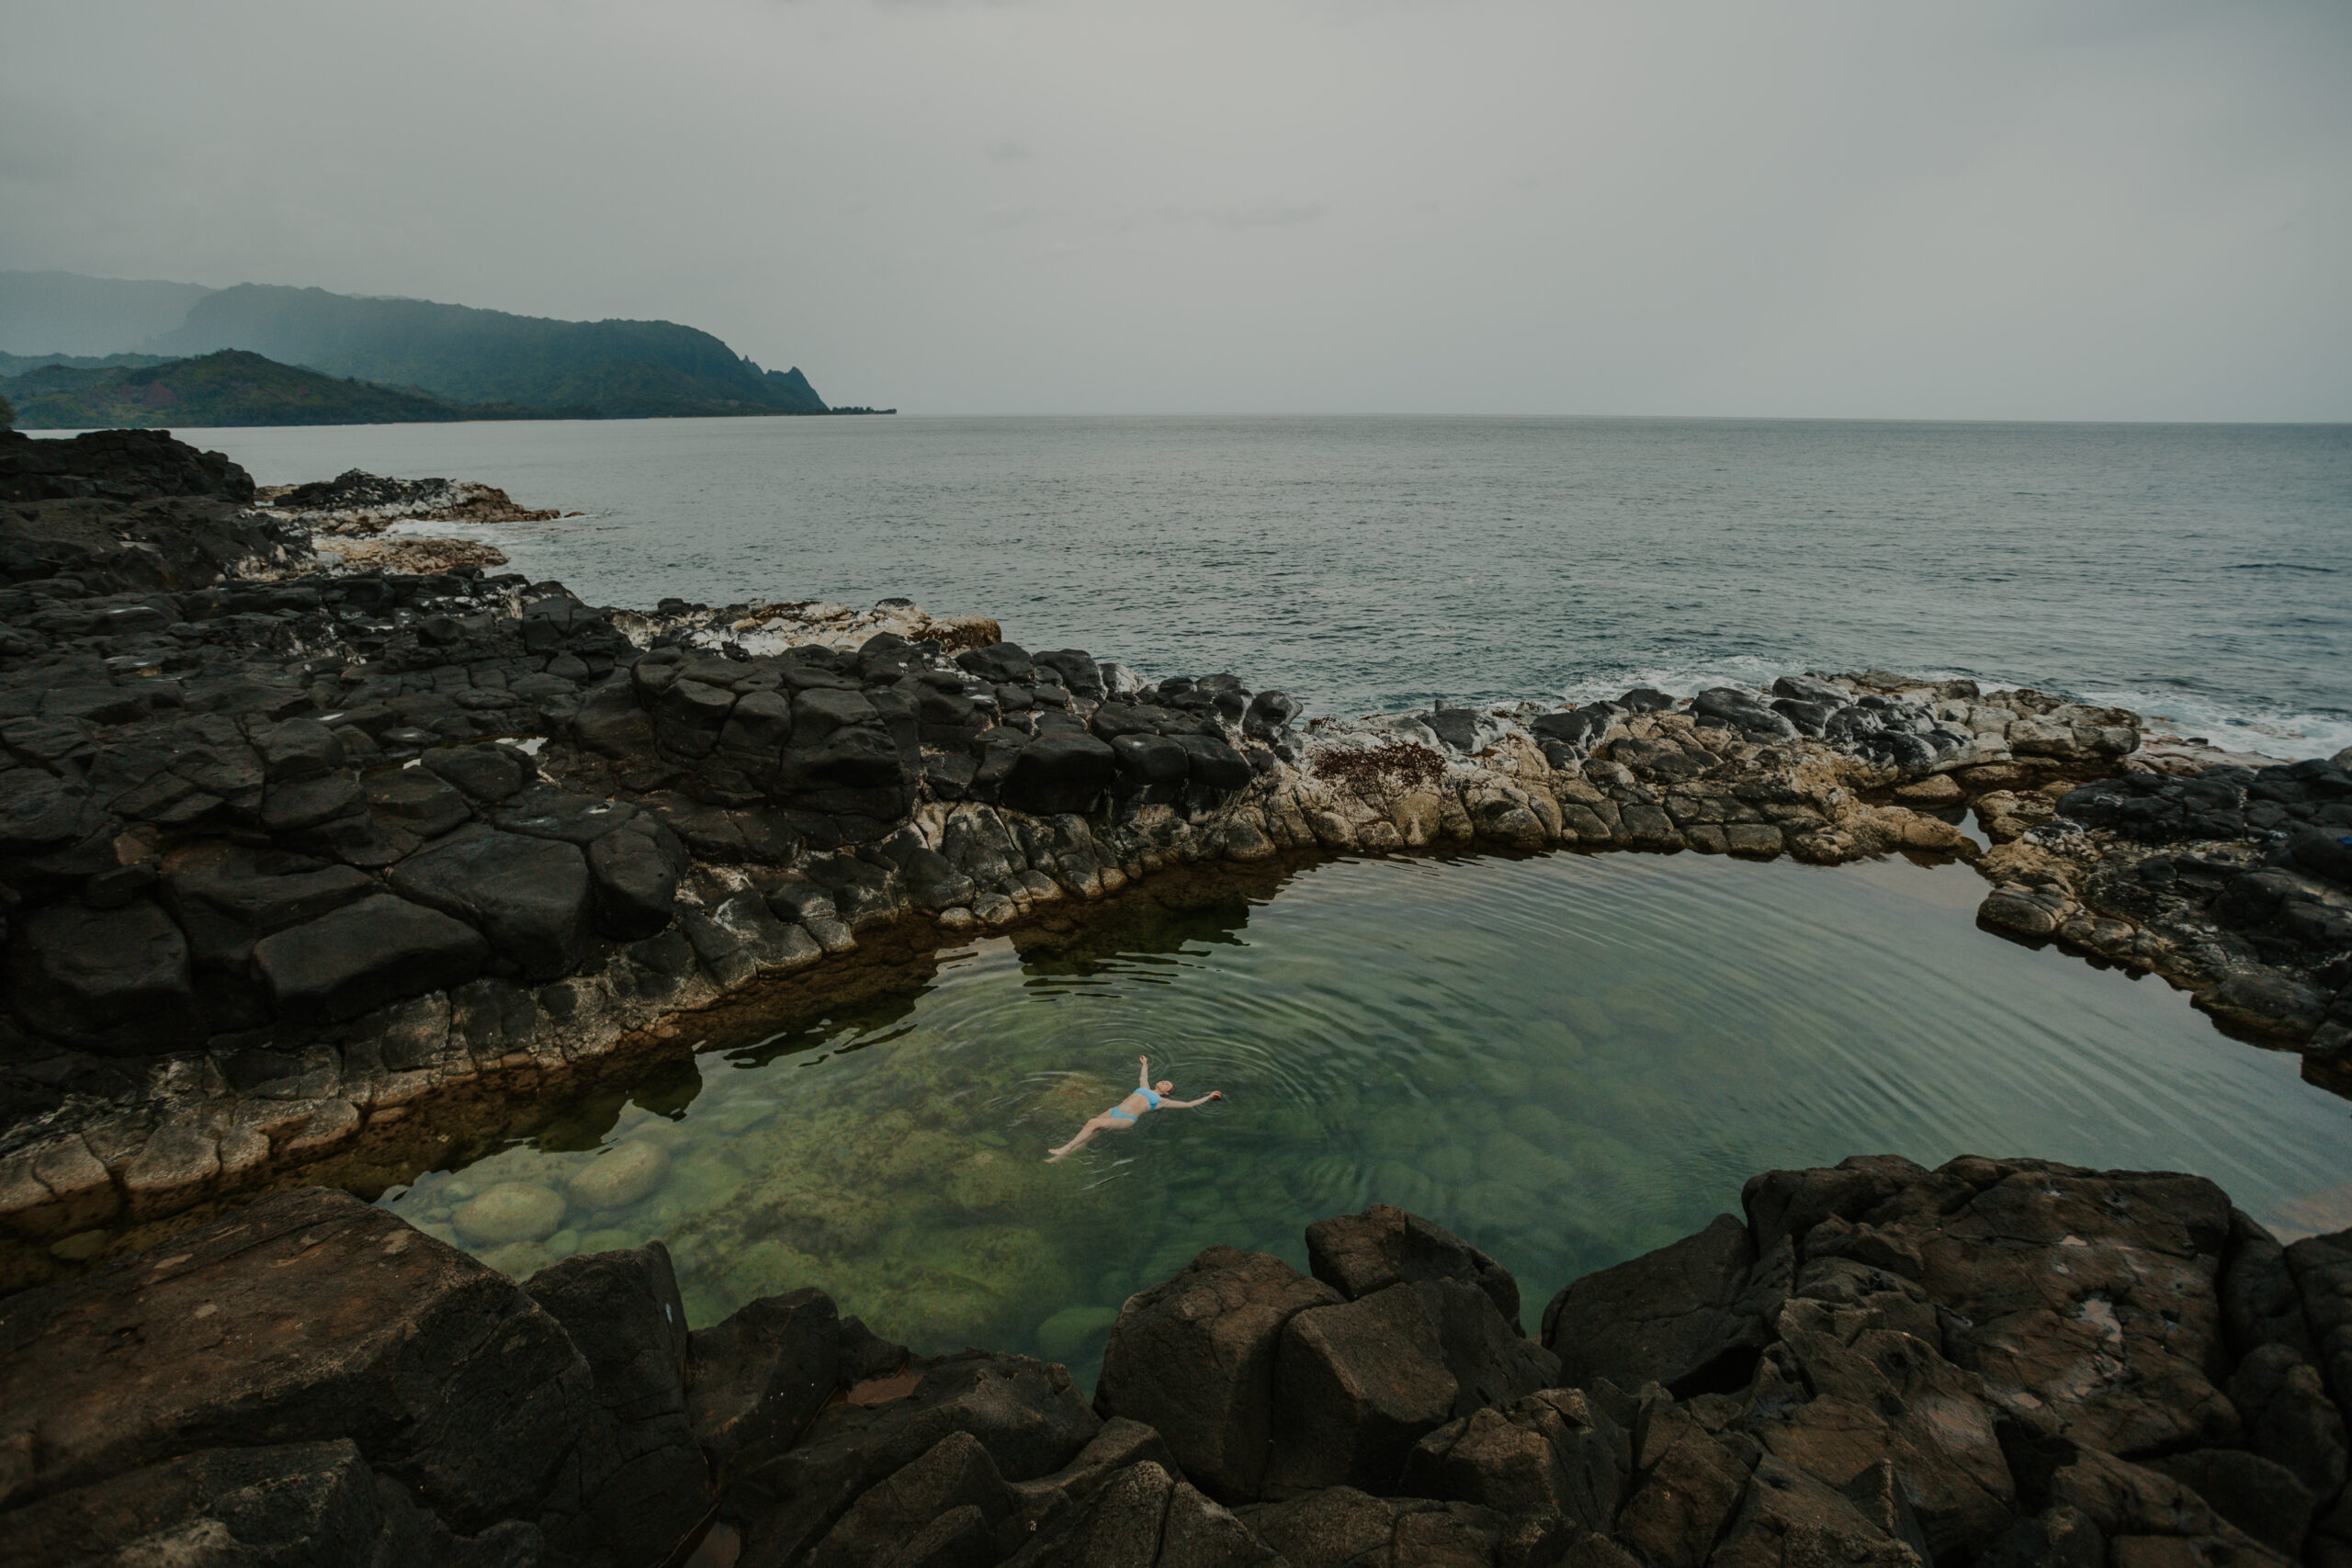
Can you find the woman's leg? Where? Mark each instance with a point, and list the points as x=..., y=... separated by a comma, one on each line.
x=1086, y=1135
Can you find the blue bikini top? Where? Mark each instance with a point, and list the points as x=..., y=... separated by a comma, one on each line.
x=1150, y=1098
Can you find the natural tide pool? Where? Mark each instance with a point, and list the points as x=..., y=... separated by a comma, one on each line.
x=1567, y=1058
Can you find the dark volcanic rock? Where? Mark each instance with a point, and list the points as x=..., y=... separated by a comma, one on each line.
x=1003, y=662
x=953, y=1473
x=307, y=1318
x=115, y=978
x=1808, y=689
x=484, y=773
x=1119, y=1443
x=1076, y=668
x=2259, y=1496
x=1687, y=1487
x=1466, y=1301
x=1555, y=1452
x=759, y=1378
x=1790, y=1515
x=529, y=896
x=1577, y=727
x=1145, y=1516
x=2264, y=1001
x=1356, y=1384
x=622, y=1310
x=636, y=872
x=1152, y=766
x=2289, y=1418
x=1214, y=766
x=1194, y=1357
x=291, y=1503
x=1458, y=727
x=1343, y=1528
x=362, y=955
x=118, y=464
x=1742, y=711
x=418, y=801
x=1669, y=1316
x=2025, y=1308
x=1059, y=772
x=1491, y=1361
x=1268, y=715
x=1943, y=1365
x=1358, y=1254
x=1024, y=1415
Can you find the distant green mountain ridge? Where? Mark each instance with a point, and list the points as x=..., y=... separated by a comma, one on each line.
x=454, y=355
x=620, y=369
x=229, y=388
x=18, y=364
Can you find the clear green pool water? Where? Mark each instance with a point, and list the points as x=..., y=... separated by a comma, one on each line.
x=1568, y=1059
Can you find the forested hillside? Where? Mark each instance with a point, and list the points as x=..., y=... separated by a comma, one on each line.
x=618, y=369
x=230, y=387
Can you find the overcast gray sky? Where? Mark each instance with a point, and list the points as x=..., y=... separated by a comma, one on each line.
x=2040, y=209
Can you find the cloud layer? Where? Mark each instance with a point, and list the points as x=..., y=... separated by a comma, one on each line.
x=2055, y=209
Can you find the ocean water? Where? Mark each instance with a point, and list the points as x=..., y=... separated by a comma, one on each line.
x=1567, y=1058
x=2200, y=573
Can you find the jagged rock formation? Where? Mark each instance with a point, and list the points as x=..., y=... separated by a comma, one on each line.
x=117, y=512
x=1996, y=1362
x=357, y=502
x=115, y=464
x=347, y=516
x=2235, y=880
x=286, y=854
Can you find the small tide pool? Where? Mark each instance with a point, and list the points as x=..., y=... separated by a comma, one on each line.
x=1568, y=1059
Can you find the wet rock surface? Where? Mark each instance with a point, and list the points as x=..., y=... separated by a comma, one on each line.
x=1995, y=1362
x=2235, y=881
x=288, y=850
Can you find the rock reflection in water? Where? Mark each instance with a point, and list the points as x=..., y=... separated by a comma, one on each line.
x=1567, y=1059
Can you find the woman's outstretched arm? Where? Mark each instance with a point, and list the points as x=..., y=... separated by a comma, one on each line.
x=1188, y=1104
x=1143, y=1076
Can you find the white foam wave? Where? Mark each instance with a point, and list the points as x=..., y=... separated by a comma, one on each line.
x=2287, y=734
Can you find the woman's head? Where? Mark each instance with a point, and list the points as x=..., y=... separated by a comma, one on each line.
x=1165, y=1085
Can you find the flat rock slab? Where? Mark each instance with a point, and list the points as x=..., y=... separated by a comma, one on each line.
x=529, y=896
x=355, y=959
x=309, y=1317
x=296, y=1502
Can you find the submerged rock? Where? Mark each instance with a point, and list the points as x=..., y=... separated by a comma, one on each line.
x=625, y=1174
x=510, y=1212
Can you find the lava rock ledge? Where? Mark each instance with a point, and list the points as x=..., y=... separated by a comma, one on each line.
x=1995, y=1362
x=289, y=854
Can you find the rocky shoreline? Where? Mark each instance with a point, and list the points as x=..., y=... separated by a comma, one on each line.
x=297, y=858
x=1997, y=1363
x=310, y=864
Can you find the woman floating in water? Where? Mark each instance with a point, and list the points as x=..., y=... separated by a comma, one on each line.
x=1148, y=1096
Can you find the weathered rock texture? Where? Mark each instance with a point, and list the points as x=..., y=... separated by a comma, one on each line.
x=1997, y=1363
x=285, y=854
x=2234, y=880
